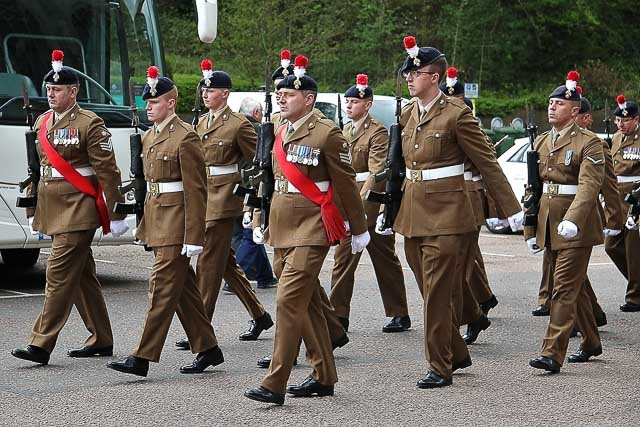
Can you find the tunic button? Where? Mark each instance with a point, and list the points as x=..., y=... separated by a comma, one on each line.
x=164, y=158
x=414, y=163
x=550, y=154
x=220, y=143
x=549, y=169
x=206, y=137
x=152, y=150
x=415, y=146
x=419, y=128
x=437, y=135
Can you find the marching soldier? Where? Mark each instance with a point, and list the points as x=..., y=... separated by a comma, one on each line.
x=227, y=138
x=312, y=164
x=436, y=216
x=173, y=225
x=623, y=248
x=368, y=145
x=572, y=169
x=76, y=195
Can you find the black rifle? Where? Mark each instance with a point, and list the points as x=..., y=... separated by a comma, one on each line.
x=263, y=163
x=33, y=160
x=633, y=198
x=394, y=171
x=340, y=120
x=197, y=107
x=138, y=184
x=533, y=189
x=607, y=124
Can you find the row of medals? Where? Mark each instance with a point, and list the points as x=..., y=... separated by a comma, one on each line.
x=66, y=137
x=303, y=155
x=631, y=153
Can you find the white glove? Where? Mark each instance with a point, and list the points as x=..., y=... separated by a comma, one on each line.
x=118, y=228
x=567, y=229
x=359, y=242
x=516, y=220
x=258, y=236
x=247, y=220
x=533, y=246
x=191, y=250
x=497, y=222
x=609, y=232
x=34, y=232
x=346, y=227
x=631, y=224
x=379, y=225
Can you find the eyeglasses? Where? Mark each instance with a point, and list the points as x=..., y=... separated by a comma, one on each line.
x=620, y=120
x=415, y=73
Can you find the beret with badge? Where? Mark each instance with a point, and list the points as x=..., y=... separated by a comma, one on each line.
x=361, y=89
x=569, y=90
x=157, y=85
x=285, y=69
x=626, y=108
x=300, y=80
x=213, y=79
x=418, y=56
x=452, y=87
x=59, y=74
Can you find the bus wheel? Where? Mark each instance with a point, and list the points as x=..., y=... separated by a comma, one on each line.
x=20, y=258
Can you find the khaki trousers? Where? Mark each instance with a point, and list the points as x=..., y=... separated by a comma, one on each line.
x=570, y=303
x=623, y=250
x=173, y=289
x=546, y=286
x=388, y=275
x=466, y=303
x=299, y=313
x=71, y=277
x=435, y=262
x=218, y=261
x=479, y=282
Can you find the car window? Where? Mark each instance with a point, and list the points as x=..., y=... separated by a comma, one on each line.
x=520, y=156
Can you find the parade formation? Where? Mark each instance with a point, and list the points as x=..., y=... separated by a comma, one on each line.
x=302, y=184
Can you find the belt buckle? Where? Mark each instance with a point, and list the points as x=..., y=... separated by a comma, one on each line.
x=552, y=189
x=47, y=172
x=154, y=188
x=416, y=175
x=282, y=186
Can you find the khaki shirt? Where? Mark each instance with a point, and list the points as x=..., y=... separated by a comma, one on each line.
x=625, y=151
x=82, y=139
x=174, y=154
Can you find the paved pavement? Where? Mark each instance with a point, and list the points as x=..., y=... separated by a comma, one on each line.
x=377, y=371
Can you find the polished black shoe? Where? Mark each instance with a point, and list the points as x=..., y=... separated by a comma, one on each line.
x=462, y=364
x=601, y=320
x=273, y=283
x=183, y=344
x=264, y=362
x=32, y=353
x=433, y=380
x=582, y=356
x=256, y=327
x=340, y=342
x=88, y=351
x=344, y=321
x=309, y=388
x=542, y=310
x=203, y=360
x=546, y=363
x=474, y=328
x=397, y=324
x=131, y=365
x=488, y=304
x=261, y=394
x=629, y=307
x=227, y=289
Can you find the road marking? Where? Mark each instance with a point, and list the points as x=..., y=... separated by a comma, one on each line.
x=104, y=261
x=17, y=294
x=493, y=236
x=499, y=255
x=600, y=263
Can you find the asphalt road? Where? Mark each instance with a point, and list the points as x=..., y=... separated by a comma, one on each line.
x=377, y=371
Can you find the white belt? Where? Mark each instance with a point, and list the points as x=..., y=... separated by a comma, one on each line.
x=164, y=187
x=559, y=189
x=468, y=176
x=437, y=173
x=622, y=179
x=476, y=178
x=222, y=170
x=51, y=172
x=362, y=176
x=284, y=186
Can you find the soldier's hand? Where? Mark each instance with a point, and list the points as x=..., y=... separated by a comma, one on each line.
x=258, y=236
x=516, y=220
x=497, y=222
x=380, y=224
x=31, y=230
x=533, y=246
x=610, y=232
x=247, y=220
x=359, y=242
x=118, y=228
x=631, y=223
x=191, y=250
x=567, y=229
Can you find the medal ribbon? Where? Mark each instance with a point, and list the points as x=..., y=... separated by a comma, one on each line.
x=68, y=172
x=331, y=217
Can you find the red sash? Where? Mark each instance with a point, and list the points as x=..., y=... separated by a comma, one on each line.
x=81, y=183
x=331, y=218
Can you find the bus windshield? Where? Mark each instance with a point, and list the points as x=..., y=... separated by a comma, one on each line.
x=109, y=43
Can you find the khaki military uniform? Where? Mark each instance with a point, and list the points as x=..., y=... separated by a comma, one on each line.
x=624, y=248
x=436, y=215
x=576, y=159
x=228, y=140
x=71, y=219
x=297, y=233
x=170, y=220
x=368, y=147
